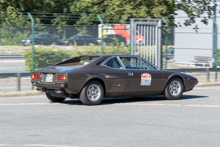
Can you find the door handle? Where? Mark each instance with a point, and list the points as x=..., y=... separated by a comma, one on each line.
x=130, y=74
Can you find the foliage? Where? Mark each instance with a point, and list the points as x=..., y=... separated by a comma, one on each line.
x=110, y=10
x=48, y=55
x=121, y=11
x=44, y=57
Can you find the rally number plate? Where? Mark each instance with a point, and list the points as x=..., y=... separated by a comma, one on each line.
x=49, y=78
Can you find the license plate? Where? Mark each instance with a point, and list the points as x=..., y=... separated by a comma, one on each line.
x=49, y=78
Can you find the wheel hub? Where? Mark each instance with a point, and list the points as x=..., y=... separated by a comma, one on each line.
x=175, y=88
x=93, y=92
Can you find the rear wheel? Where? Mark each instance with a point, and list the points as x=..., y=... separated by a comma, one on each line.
x=174, y=89
x=92, y=93
x=54, y=99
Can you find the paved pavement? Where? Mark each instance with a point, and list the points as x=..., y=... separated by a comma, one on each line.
x=153, y=121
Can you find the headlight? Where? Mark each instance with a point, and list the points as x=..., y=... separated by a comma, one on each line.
x=28, y=41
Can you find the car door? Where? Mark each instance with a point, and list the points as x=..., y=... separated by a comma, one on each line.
x=115, y=77
x=142, y=81
x=42, y=39
x=50, y=39
x=80, y=40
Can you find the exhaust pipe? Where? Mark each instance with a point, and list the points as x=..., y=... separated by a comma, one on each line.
x=58, y=91
x=41, y=89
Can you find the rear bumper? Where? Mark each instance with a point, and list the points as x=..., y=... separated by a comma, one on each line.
x=60, y=85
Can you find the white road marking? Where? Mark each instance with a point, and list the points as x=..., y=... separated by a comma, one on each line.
x=37, y=145
x=17, y=104
x=47, y=145
x=123, y=104
x=180, y=105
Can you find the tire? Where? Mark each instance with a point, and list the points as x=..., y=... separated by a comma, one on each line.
x=54, y=99
x=92, y=93
x=174, y=89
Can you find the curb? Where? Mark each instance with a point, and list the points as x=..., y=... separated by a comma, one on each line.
x=207, y=84
x=20, y=94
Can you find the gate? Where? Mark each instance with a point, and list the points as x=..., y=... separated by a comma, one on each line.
x=146, y=39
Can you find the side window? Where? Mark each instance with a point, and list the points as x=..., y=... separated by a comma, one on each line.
x=86, y=60
x=149, y=65
x=132, y=63
x=113, y=62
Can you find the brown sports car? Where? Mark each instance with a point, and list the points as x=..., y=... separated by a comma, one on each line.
x=92, y=77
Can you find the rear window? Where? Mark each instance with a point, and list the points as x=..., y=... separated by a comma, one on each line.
x=78, y=61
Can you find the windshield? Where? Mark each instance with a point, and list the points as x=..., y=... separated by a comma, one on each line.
x=74, y=37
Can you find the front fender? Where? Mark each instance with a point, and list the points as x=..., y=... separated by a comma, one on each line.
x=169, y=75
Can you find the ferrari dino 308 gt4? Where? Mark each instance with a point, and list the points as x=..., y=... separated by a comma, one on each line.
x=92, y=77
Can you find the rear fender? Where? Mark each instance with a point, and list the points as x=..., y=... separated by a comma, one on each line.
x=94, y=77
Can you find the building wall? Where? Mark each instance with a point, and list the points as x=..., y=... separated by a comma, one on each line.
x=190, y=43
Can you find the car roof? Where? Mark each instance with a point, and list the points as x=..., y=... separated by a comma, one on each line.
x=109, y=55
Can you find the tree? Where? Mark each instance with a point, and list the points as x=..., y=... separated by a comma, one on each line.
x=111, y=10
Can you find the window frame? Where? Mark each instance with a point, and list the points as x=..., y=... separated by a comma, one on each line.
x=133, y=57
x=118, y=59
x=142, y=59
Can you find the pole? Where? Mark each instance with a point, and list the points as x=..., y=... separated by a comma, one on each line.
x=18, y=81
x=214, y=29
x=32, y=41
x=130, y=34
x=165, y=42
x=216, y=48
x=100, y=19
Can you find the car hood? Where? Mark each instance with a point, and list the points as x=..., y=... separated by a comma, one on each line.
x=58, y=69
x=27, y=39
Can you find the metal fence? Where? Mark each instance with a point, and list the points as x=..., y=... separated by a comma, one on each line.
x=184, y=48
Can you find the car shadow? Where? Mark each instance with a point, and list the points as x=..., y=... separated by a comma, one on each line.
x=109, y=101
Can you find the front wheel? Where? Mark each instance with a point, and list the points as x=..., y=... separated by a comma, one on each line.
x=174, y=89
x=54, y=99
x=92, y=93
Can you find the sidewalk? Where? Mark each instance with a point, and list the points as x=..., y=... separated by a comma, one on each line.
x=36, y=93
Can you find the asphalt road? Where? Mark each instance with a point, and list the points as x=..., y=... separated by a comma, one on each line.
x=194, y=120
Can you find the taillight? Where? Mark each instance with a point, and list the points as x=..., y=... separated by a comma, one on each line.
x=61, y=77
x=35, y=76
